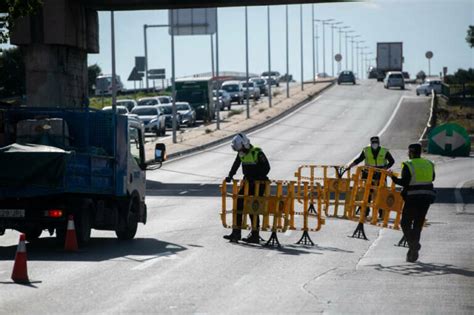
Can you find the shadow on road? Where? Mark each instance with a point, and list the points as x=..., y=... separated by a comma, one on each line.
x=98, y=249
x=421, y=269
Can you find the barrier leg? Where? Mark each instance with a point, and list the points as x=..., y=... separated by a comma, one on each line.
x=273, y=240
x=305, y=239
x=403, y=242
x=359, y=232
x=312, y=209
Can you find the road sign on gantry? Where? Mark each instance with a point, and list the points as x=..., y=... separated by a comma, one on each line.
x=450, y=140
x=193, y=21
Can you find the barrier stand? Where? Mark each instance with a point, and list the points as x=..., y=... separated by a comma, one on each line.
x=305, y=238
x=377, y=195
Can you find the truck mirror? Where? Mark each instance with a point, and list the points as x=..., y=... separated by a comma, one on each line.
x=160, y=152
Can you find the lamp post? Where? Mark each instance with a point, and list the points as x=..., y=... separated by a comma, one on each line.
x=333, y=26
x=366, y=59
x=357, y=54
x=324, y=22
x=362, y=69
x=341, y=28
x=347, y=54
x=352, y=50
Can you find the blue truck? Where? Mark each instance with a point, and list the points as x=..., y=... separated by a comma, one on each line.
x=81, y=162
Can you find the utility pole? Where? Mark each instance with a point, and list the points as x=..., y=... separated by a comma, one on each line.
x=269, y=60
x=287, y=58
x=301, y=41
x=324, y=22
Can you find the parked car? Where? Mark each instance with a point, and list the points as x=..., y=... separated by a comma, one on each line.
x=153, y=119
x=394, y=79
x=122, y=110
x=165, y=99
x=224, y=99
x=167, y=111
x=261, y=84
x=186, y=113
x=130, y=104
x=322, y=75
x=428, y=86
x=273, y=76
x=346, y=77
x=148, y=101
x=234, y=88
x=253, y=90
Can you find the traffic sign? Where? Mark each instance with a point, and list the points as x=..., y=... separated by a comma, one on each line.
x=450, y=140
x=135, y=75
x=338, y=57
x=154, y=74
x=429, y=54
x=140, y=63
x=193, y=21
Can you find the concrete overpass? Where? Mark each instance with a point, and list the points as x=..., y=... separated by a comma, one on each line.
x=57, y=39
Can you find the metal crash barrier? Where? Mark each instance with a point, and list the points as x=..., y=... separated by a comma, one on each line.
x=333, y=181
x=274, y=201
x=370, y=190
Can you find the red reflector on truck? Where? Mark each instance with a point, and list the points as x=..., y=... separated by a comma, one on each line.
x=55, y=213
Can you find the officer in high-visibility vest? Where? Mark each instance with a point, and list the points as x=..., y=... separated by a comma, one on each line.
x=417, y=179
x=374, y=155
x=255, y=166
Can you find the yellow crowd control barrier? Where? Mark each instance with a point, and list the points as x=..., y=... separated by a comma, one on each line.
x=275, y=202
x=328, y=180
x=370, y=190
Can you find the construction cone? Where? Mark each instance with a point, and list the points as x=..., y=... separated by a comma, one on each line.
x=71, y=240
x=20, y=274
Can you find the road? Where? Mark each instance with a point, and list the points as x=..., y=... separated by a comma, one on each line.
x=179, y=262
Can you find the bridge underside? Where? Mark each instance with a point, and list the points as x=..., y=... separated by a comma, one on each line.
x=181, y=4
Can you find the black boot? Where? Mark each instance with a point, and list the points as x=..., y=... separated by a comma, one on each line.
x=253, y=238
x=235, y=236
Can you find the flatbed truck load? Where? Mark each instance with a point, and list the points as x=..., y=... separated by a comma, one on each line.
x=60, y=162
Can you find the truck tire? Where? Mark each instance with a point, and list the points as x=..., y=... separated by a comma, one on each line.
x=132, y=222
x=33, y=234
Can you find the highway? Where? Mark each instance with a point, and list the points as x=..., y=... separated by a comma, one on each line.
x=179, y=262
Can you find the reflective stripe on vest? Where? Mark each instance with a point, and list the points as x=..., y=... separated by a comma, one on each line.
x=370, y=159
x=421, y=171
x=251, y=157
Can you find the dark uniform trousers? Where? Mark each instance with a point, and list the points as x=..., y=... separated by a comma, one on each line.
x=413, y=217
x=240, y=203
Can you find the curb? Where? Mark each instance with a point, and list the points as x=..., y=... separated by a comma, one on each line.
x=251, y=129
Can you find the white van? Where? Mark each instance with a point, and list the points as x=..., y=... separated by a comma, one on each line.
x=103, y=85
x=235, y=90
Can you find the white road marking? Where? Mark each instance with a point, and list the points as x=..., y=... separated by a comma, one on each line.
x=155, y=259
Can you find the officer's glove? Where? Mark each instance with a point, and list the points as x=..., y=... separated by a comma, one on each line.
x=228, y=179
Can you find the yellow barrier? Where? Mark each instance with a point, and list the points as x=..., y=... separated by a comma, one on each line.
x=371, y=191
x=275, y=202
x=328, y=180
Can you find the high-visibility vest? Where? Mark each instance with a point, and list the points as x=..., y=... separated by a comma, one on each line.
x=251, y=158
x=370, y=160
x=422, y=173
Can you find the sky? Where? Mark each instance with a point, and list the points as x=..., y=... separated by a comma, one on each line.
x=422, y=25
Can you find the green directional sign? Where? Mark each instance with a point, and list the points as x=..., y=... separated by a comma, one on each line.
x=449, y=139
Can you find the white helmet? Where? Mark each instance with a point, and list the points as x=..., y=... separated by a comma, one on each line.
x=240, y=141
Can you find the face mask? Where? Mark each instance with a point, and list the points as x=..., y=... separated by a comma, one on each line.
x=375, y=146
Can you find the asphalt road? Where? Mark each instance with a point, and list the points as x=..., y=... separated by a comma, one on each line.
x=179, y=262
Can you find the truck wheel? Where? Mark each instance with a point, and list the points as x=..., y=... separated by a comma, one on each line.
x=33, y=234
x=132, y=223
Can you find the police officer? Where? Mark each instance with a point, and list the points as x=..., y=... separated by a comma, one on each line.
x=255, y=166
x=417, y=179
x=374, y=155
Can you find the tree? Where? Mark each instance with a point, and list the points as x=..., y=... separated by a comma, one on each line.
x=470, y=36
x=93, y=71
x=421, y=75
x=12, y=73
x=10, y=10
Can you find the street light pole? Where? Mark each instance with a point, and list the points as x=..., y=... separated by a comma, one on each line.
x=333, y=26
x=340, y=45
x=287, y=58
x=146, y=56
x=301, y=42
x=246, y=62
x=352, y=50
x=114, y=81
x=269, y=60
x=317, y=49
x=324, y=22
x=362, y=68
x=312, y=33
